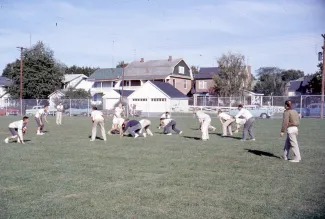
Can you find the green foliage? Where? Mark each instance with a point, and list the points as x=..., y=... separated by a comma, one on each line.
x=195, y=69
x=232, y=79
x=79, y=70
x=42, y=74
x=77, y=94
x=316, y=83
x=122, y=64
x=291, y=74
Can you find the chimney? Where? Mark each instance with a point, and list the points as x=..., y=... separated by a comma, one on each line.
x=142, y=60
x=170, y=58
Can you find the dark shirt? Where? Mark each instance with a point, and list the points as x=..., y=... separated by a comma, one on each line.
x=131, y=123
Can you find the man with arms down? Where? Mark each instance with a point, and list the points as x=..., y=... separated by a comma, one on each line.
x=290, y=125
x=98, y=119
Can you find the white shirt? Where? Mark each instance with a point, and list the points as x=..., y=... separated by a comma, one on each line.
x=118, y=112
x=224, y=116
x=145, y=122
x=240, y=121
x=166, y=121
x=202, y=116
x=244, y=113
x=59, y=108
x=97, y=115
x=17, y=125
x=40, y=113
x=165, y=116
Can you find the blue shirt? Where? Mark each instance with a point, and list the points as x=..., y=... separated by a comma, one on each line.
x=131, y=123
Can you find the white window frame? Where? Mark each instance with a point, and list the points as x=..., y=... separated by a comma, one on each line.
x=185, y=84
x=203, y=85
x=181, y=70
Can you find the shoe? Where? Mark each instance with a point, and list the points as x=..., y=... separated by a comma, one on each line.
x=214, y=129
x=242, y=139
x=40, y=133
x=204, y=139
x=253, y=139
x=7, y=140
x=144, y=135
x=284, y=158
x=151, y=134
x=92, y=140
x=136, y=135
x=169, y=134
x=181, y=132
x=294, y=161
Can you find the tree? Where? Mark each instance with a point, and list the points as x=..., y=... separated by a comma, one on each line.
x=232, y=77
x=41, y=73
x=122, y=64
x=291, y=74
x=77, y=94
x=194, y=69
x=80, y=70
x=315, y=83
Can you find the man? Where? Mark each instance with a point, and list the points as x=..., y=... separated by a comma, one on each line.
x=239, y=122
x=205, y=124
x=167, y=123
x=133, y=127
x=165, y=115
x=17, y=130
x=290, y=124
x=249, y=124
x=226, y=121
x=59, y=110
x=97, y=118
x=39, y=116
x=145, y=124
x=117, y=127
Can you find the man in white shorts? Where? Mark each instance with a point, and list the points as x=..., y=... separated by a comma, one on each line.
x=39, y=116
x=205, y=124
x=97, y=118
x=145, y=124
x=17, y=130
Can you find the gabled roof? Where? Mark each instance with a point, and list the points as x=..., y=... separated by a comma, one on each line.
x=126, y=93
x=63, y=92
x=71, y=77
x=4, y=81
x=207, y=73
x=294, y=85
x=106, y=74
x=169, y=90
x=299, y=84
x=151, y=67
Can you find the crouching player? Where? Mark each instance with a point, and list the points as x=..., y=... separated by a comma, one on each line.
x=165, y=115
x=169, y=123
x=145, y=124
x=133, y=127
x=17, y=130
x=117, y=127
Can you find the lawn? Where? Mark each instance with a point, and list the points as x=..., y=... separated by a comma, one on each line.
x=64, y=175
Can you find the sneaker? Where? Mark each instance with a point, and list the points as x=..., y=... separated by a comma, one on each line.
x=92, y=140
x=7, y=140
x=253, y=139
x=294, y=161
x=284, y=158
x=214, y=129
x=144, y=135
x=181, y=132
x=136, y=135
x=169, y=134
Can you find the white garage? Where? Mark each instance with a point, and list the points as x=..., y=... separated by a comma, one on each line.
x=113, y=97
x=159, y=97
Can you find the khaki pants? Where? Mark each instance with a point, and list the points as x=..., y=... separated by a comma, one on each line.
x=292, y=143
x=205, y=129
x=227, y=126
x=58, y=118
x=99, y=122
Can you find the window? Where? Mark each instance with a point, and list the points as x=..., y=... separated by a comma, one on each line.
x=136, y=83
x=126, y=83
x=158, y=99
x=106, y=84
x=185, y=84
x=97, y=84
x=140, y=99
x=202, y=85
x=174, y=82
x=181, y=69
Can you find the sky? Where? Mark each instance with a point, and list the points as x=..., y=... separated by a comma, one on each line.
x=99, y=33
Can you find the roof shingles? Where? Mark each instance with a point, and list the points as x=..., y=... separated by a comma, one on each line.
x=169, y=90
x=106, y=74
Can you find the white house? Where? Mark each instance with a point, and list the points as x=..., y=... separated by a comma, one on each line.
x=156, y=96
x=77, y=81
x=3, y=94
x=114, y=96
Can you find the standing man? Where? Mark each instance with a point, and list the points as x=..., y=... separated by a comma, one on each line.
x=59, y=110
x=167, y=123
x=97, y=118
x=290, y=125
x=39, y=116
x=17, y=130
x=205, y=124
x=145, y=124
x=133, y=126
x=226, y=121
x=249, y=124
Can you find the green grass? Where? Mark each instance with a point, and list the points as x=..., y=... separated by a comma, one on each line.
x=64, y=175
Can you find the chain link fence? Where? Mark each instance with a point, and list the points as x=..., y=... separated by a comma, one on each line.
x=309, y=106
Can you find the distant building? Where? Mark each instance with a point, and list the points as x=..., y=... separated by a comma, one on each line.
x=298, y=87
x=4, y=95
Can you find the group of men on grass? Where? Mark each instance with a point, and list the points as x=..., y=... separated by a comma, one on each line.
x=142, y=128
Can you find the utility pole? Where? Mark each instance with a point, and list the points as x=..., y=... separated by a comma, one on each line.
x=122, y=83
x=323, y=81
x=21, y=79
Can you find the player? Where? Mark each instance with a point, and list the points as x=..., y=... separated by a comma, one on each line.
x=118, y=111
x=165, y=115
x=133, y=127
x=145, y=124
x=167, y=123
x=249, y=124
x=226, y=121
x=97, y=118
x=117, y=129
x=17, y=130
x=59, y=110
x=205, y=124
x=40, y=116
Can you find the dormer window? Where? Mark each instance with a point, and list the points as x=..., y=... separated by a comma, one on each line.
x=180, y=69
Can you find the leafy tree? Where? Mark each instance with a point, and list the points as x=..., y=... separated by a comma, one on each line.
x=194, y=69
x=79, y=70
x=41, y=73
x=270, y=81
x=231, y=81
x=291, y=74
x=77, y=94
x=122, y=64
x=316, y=83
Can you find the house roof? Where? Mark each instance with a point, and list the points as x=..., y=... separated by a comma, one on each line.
x=207, y=73
x=294, y=86
x=169, y=90
x=71, y=77
x=106, y=74
x=306, y=80
x=297, y=85
x=126, y=93
x=4, y=81
x=151, y=67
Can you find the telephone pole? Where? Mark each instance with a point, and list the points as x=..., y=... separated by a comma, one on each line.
x=323, y=81
x=21, y=79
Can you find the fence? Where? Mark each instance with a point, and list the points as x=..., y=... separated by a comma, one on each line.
x=306, y=105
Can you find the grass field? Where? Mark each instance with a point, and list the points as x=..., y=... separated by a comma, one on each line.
x=64, y=175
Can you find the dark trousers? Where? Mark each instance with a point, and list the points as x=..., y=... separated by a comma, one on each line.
x=134, y=129
x=173, y=125
x=249, y=128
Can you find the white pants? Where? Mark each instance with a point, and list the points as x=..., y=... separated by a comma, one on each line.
x=145, y=124
x=59, y=118
x=205, y=129
x=97, y=122
x=292, y=143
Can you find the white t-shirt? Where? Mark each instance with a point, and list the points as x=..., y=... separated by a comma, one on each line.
x=40, y=113
x=118, y=112
x=59, y=108
x=165, y=116
x=244, y=113
x=97, y=115
x=224, y=116
x=17, y=125
x=202, y=116
x=145, y=122
x=166, y=121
